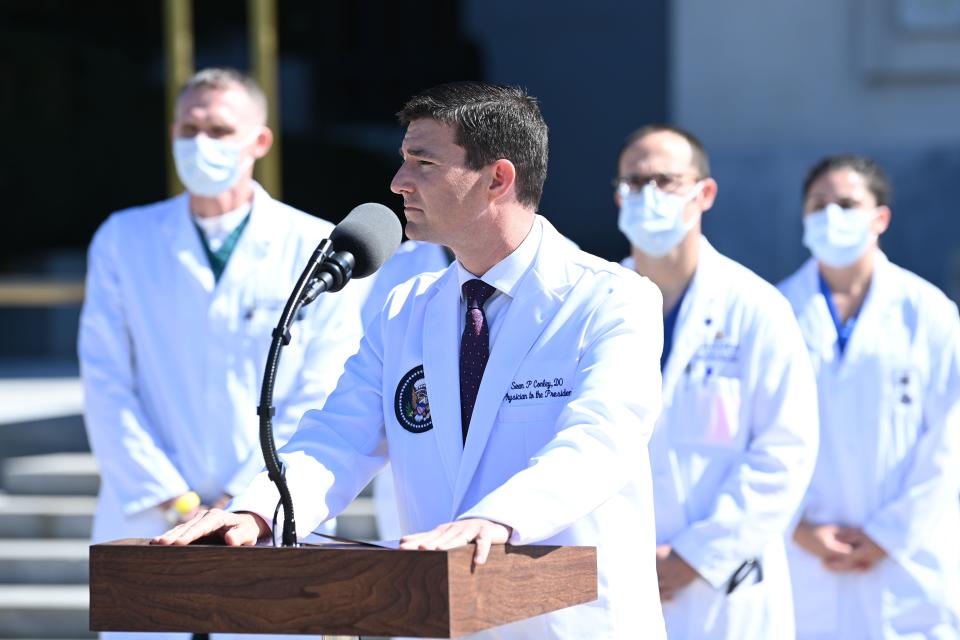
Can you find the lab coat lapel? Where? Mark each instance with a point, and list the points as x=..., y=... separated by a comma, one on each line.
x=872, y=316
x=536, y=301
x=184, y=242
x=441, y=369
x=696, y=319
x=814, y=318
x=254, y=243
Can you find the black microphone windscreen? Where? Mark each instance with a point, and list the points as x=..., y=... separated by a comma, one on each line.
x=371, y=232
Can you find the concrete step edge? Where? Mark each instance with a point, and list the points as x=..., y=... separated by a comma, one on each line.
x=74, y=597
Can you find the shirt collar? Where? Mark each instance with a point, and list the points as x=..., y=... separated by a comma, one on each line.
x=217, y=228
x=506, y=274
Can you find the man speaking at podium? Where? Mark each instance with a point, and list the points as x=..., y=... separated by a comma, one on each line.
x=514, y=392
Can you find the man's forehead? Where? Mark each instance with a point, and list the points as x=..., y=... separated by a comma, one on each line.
x=231, y=101
x=841, y=180
x=427, y=134
x=661, y=148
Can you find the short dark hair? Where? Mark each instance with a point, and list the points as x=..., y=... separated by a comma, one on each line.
x=699, y=158
x=223, y=78
x=491, y=122
x=877, y=181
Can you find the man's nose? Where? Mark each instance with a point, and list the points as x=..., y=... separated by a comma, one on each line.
x=400, y=184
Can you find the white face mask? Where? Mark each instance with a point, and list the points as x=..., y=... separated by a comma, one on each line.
x=207, y=166
x=838, y=237
x=652, y=220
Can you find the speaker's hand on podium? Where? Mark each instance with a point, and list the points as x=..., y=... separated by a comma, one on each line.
x=458, y=534
x=235, y=529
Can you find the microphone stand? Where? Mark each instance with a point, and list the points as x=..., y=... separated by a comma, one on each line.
x=326, y=271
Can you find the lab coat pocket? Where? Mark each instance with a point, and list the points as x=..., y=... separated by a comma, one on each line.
x=707, y=409
x=527, y=413
x=534, y=425
x=261, y=316
x=746, y=612
x=905, y=409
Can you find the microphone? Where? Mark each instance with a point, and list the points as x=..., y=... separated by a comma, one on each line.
x=357, y=247
x=371, y=233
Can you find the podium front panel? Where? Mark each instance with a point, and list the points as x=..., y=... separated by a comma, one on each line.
x=330, y=589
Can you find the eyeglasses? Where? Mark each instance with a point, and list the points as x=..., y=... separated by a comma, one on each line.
x=663, y=181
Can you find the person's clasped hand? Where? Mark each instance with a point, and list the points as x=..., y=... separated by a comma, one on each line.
x=841, y=549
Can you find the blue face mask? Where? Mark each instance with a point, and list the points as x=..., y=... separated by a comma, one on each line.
x=652, y=220
x=208, y=167
x=838, y=237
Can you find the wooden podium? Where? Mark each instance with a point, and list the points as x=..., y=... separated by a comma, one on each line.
x=331, y=589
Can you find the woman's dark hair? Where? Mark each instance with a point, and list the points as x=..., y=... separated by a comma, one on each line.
x=877, y=180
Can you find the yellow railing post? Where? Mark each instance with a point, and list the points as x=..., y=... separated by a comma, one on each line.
x=262, y=17
x=178, y=56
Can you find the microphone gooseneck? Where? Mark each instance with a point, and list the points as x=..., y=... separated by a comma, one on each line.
x=357, y=247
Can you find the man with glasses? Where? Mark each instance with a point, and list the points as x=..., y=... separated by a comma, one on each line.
x=735, y=446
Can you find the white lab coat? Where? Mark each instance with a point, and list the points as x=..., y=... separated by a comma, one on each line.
x=567, y=469
x=733, y=451
x=889, y=459
x=411, y=259
x=172, y=363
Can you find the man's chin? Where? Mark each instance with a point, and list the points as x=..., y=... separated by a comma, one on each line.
x=416, y=231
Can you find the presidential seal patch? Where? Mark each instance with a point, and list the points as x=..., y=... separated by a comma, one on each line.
x=411, y=403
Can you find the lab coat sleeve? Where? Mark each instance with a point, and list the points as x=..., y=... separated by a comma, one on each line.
x=603, y=430
x=130, y=453
x=334, y=337
x=334, y=453
x=764, y=489
x=902, y=525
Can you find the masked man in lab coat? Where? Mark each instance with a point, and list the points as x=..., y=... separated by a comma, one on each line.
x=181, y=299
x=513, y=393
x=735, y=446
x=876, y=553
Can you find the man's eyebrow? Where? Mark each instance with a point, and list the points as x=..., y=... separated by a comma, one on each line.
x=418, y=153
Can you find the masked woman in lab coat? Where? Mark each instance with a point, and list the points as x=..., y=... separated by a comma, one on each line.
x=875, y=552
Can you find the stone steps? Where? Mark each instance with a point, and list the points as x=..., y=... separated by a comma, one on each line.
x=46, y=516
x=45, y=611
x=72, y=517
x=52, y=474
x=53, y=561
x=47, y=504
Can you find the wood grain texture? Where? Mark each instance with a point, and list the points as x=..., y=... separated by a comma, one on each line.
x=517, y=583
x=333, y=589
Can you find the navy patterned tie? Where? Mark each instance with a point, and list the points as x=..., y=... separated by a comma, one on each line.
x=474, y=348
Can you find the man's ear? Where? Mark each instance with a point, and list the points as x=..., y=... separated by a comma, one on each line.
x=708, y=194
x=263, y=142
x=882, y=222
x=502, y=178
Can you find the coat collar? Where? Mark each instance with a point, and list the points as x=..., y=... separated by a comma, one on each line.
x=185, y=244
x=541, y=289
x=440, y=365
x=699, y=318
x=817, y=324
